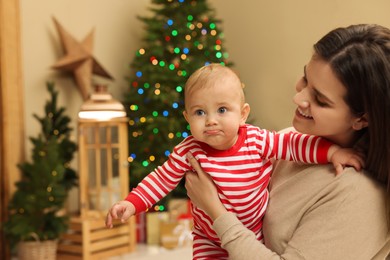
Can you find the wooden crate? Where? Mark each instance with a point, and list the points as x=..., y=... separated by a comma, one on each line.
x=89, y=239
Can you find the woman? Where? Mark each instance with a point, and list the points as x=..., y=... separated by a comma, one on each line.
x=343, y=96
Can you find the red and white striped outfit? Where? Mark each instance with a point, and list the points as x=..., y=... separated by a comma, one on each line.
x=240, y=173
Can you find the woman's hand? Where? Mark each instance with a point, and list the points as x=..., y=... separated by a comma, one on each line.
x=202, y=191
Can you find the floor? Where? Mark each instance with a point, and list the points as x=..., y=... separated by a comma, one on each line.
x=144, y=252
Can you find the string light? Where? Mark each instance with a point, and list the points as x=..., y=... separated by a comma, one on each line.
x=159, y=208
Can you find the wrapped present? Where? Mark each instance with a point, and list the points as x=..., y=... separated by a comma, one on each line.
x=153, y=220
x=141, y=227
x=179, y=207
x=176, y=233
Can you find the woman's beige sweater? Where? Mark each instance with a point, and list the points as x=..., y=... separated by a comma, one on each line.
x=314, y=214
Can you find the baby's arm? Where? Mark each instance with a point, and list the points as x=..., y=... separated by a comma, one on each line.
x=341, y=157
x=305, y=147
x=122, y=210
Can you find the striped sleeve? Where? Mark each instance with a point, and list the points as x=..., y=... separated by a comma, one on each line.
x=298, y=147
x=157, y=184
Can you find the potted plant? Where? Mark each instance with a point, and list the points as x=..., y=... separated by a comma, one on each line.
x=34, y=223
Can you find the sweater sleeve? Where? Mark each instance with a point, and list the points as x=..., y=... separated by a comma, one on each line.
x=239, y=241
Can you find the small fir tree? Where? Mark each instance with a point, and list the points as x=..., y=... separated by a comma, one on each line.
x=182, y=36
x=45, y=182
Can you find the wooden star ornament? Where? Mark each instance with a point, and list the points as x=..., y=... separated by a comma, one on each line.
x=79, y=60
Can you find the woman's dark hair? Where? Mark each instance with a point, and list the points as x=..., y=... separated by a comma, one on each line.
x=360, y=57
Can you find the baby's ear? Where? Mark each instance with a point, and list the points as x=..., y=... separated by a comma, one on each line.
x=245, y=113
x=185, y=115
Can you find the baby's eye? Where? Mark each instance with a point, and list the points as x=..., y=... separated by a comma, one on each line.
x=222, y=110
x=199, y=112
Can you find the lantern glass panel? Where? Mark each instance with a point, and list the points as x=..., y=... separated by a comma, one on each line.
x=103, y=135
x=103, y=166
x=91, y=167
x=89, y=135
x=114, y=134
x=115, y=163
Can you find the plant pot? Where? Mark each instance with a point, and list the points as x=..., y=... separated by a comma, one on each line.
x=37, y=250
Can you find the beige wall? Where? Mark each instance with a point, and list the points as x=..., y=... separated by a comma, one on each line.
x=269, y=41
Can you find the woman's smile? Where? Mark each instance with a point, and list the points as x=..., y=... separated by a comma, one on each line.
x=300, y=113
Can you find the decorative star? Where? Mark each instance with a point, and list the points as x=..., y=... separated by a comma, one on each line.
x=79, y=60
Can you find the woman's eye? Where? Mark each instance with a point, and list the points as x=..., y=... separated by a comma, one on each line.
x=199, y=112
x=320, y=103
x=222, y=110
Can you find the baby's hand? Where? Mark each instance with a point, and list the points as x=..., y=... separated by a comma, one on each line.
x=342, y=157
x=122, y=210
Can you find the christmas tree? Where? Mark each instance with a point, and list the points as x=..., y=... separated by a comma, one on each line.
x=43, y=188
x=182, y=36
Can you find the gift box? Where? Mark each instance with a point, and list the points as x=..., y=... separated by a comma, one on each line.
x=153, y=220
x=176, y=233
x=141, y=227
x=179, y=207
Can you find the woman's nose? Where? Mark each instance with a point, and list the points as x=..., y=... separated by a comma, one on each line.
x=299, y=85
x=300, y=99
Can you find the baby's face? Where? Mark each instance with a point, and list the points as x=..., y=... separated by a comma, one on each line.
x=214, y=113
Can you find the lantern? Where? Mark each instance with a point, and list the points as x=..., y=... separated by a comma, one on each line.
x=103, y=179
x=103, y=151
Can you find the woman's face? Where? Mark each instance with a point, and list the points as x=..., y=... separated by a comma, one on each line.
x=321, y=108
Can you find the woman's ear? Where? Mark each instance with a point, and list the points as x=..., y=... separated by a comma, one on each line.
x=360, y=122
x=245, y=113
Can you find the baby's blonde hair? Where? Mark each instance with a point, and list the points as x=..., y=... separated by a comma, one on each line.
x=207, y=75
